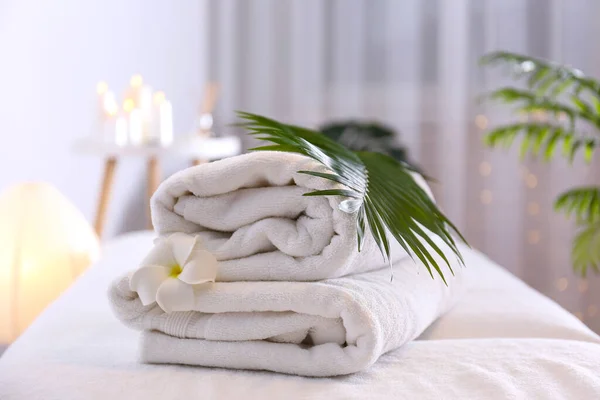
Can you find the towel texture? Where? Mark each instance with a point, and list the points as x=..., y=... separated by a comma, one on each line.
x=250, y=212
x=292, y=293
x=334, y=327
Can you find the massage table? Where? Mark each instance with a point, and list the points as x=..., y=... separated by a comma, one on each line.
x=503, y=340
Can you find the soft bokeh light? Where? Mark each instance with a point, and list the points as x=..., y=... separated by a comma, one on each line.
x=583, y=286
x=533, y=236
x=485, y=168
x=101, y=87
x=533, y=208
x=128, y=105
x=481, y=121
x=136, y=81
x=485, y=196
x=159, y=97
x=531, y=181
x=562, y=284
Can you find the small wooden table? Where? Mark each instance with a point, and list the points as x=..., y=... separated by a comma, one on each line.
x=196, y=148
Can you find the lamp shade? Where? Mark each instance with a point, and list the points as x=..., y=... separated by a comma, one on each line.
x=45, y=243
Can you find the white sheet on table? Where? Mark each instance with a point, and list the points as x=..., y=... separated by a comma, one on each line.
x=77, y=349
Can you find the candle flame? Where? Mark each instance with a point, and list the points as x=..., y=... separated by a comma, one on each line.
x=136, y=81
x=101, y=87
x=128, y=105
x=159, y=98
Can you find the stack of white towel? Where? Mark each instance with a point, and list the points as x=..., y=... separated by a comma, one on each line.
x=292, y=294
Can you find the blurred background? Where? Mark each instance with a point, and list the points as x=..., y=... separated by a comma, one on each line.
x=410, y=66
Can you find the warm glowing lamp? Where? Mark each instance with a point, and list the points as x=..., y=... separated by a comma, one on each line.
x=45, y=243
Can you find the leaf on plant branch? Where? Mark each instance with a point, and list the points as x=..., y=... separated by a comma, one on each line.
x=596, y=104
x=528, y=102
x=537, y=137
x=547, y=82
x=377, y=188
x=586, y=249
x=588, y=150
x=583, y=203
x=539, y=72
x=582, y=105
x=561, y=86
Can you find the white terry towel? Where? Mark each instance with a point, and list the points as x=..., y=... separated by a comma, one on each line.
x=334, y=327
x=250, y=213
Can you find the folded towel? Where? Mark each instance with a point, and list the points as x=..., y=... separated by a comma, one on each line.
x=333, y=327
x=250, y=213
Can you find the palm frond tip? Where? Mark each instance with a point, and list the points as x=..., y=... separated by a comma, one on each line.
x=583, y=203
x=544, y=77
x=381, y=191
x=586, y=249
x=542, y=138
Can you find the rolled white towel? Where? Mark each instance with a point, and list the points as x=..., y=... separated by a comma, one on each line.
x=250, y=213
x=334, y=327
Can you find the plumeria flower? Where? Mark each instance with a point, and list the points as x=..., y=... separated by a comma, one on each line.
x=170, y=270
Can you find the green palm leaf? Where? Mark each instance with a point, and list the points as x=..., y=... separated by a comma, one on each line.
x=583, y=203
x=545, y=78
x=586, y=249
x=378, y=189
x=542, y=138
x=530, y=102
x=557, y=91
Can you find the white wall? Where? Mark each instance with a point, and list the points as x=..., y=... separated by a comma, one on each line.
x=52, y=54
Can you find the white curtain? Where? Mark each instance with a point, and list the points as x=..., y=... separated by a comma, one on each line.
x=413, y=64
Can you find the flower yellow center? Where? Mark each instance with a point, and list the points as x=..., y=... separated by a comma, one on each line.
x=175, y=271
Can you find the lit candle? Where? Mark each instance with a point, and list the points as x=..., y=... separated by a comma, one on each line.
x=145, y=105
x=133, y=92
x=121, y=131
x=128, y=105
x=136, y=123
x=108, y=109
x=159, y=97
x=109, y=104
x=166, y=123
x=102, y=89
x=154, y=127
x=140, y=94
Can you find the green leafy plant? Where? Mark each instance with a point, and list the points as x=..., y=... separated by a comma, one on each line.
x=366, y=136
x=379, y=190
x=570, y=101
